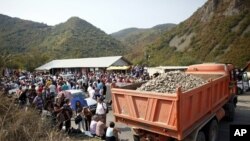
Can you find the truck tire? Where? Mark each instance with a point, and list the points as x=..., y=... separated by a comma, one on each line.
x=239, y=91
x=231, y=112
x=201, y=136
x=213, y=130
x=136, y=138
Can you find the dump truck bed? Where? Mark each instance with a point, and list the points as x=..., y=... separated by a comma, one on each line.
x=175, y=115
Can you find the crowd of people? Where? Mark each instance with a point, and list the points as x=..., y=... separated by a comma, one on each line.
x=46, y=93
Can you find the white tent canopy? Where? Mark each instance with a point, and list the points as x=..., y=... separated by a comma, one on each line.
x=99, y=62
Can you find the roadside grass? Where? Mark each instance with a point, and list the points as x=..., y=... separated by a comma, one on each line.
x=18, y=124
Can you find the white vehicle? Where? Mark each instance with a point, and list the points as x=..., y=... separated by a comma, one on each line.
x=67, y=76
x=22, y=77
x=13, y=88
x=243, y=85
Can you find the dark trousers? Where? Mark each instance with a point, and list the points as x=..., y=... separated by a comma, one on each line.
x=110, y=138
x=60, y=125
x=67, y=124
x=87, y=120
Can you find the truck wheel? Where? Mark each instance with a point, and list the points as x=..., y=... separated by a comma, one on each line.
x=239, y=90
x=136, y=138
x=201, y=136
x=213, y=131
x=231, y=112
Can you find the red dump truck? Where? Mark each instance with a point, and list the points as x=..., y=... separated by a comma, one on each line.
x=191, y=115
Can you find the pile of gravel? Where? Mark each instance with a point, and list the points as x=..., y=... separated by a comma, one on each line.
x=168, y=82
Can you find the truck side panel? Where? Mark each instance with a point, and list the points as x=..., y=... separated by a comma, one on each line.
x=155, y=112
x=202, y=103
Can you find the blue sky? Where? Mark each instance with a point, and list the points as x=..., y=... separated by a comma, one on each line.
x=108, y=15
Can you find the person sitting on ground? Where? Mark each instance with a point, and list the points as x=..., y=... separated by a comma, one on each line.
x=112, y=132
x=101, y=129
x=93, y=125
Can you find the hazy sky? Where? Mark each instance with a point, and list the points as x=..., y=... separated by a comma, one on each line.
x=109, y=15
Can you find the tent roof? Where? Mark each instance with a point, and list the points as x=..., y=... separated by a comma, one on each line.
x=99, y=62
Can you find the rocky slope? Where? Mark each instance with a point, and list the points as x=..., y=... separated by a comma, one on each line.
x=219, y=31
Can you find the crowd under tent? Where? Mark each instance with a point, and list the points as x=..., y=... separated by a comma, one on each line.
x=84, y=65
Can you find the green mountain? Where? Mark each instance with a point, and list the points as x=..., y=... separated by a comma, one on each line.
x=30, y=44
x=137, y=39
x=219, y=31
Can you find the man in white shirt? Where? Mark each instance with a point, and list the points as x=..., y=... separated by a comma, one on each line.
x=101, y=109
x=52, y=89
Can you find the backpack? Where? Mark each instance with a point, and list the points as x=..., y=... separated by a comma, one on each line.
x=78, y=119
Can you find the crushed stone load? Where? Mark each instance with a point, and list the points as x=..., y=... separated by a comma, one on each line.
x=168, y=82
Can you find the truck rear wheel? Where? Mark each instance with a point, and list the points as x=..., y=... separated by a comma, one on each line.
x=201, y=136
x=231, y=112
x=136, y=138
x=213, y=131
x=239, y=91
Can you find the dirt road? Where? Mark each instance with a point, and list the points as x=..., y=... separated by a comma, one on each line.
x=242, y=116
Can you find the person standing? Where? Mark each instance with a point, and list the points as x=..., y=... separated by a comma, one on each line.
x=32, y=94
x=79, y=119
x=23, y=98
x=100, y=87
x=91, y=91
x=87, y=118
x=67, y=114
x=58, y=115
x=19, y=91
x=38, y=102
x=52, y=89
x=101, y=109
x=78, y=108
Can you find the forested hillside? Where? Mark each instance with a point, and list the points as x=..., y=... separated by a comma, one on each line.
x=137, y=39
x=28, y=44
